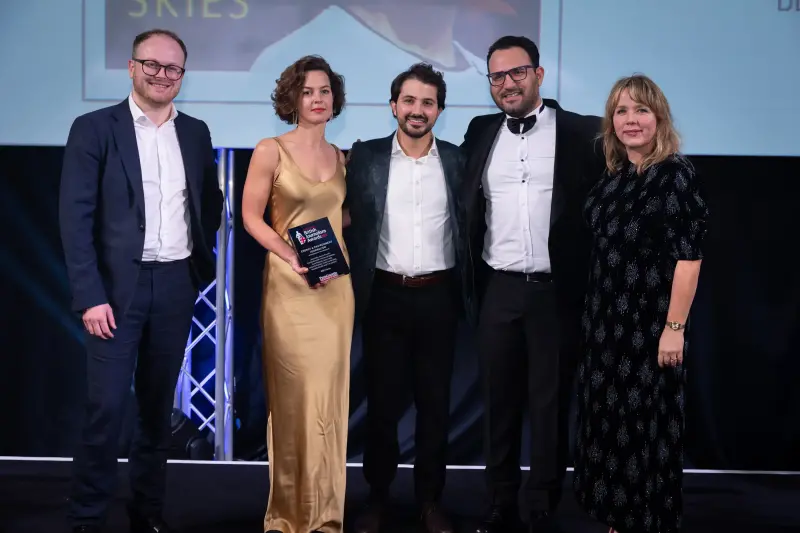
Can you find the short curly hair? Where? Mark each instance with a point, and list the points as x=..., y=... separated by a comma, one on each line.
x=290, y=85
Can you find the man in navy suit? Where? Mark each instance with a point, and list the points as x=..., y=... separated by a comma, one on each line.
x=139, y=209
x=406, y=253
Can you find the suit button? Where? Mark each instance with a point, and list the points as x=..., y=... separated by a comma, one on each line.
x=141, y=227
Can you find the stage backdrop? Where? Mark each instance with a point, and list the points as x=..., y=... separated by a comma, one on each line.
x=743, y=402
x=721, y=62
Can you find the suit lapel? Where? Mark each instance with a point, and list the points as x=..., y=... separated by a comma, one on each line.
x=380, y=176
x=560, y=166
x=477, y=164
x=484, y=147
x=450, y=170
x=190, y=168
x=125, y=139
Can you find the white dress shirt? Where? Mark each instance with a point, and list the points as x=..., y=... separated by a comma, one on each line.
x=518, y=187
x=166, y=197
x=416, y=237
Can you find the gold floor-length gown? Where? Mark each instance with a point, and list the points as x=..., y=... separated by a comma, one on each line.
x=307, y=335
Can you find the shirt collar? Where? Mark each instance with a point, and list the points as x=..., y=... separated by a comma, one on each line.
x=398, y=150
x=138, y=114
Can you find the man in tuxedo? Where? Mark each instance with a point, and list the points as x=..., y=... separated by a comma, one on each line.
x=528, y=169
x=406, y=249
x=139, y=209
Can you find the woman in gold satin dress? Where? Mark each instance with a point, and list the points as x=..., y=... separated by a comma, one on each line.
x=307, y=331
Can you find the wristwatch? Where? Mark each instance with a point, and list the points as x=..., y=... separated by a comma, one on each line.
x=675, y=326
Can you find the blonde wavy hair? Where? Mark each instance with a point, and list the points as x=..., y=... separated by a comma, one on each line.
x=666, y=142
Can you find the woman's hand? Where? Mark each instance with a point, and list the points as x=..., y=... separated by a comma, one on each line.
x=670, y=348
x=294, y=262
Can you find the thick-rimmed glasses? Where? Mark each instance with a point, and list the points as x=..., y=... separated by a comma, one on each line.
x=152, y=68
x=516, y=73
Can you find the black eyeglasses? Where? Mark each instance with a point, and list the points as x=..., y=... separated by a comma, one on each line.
x=152, y=68
x=517, y=74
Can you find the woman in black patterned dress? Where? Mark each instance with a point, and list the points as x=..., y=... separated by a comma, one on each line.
x=648, y=219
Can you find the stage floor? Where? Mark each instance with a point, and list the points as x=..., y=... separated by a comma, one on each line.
x=231, y=498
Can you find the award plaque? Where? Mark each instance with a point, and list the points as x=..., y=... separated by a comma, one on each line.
x=319, y=251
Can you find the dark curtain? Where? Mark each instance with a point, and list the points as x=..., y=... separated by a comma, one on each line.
x=744, y=404
x=743, y=407
x=41, y=351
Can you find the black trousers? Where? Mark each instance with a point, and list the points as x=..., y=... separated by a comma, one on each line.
x=146, y=351
x=518, y=344
x=409, y=337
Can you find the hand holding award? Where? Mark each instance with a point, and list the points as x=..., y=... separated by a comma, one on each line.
x=319, y=255
x=294, y=262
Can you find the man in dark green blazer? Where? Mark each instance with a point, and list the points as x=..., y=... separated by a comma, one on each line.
x=407, y=255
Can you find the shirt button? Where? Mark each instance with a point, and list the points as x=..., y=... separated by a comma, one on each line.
x=141, y=227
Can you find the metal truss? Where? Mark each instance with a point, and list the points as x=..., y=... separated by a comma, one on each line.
x=205, y=385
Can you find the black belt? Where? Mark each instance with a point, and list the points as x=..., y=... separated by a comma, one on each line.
x=425, y=280
x=533, y=277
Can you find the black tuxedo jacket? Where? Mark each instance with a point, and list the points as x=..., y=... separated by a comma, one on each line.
x=367, y=184
x=578, y=164
x=101, y=205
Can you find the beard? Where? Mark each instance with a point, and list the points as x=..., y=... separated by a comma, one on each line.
x=526, y=103
x=415, y=132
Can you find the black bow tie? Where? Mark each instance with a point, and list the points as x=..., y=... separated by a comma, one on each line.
x=521, y=125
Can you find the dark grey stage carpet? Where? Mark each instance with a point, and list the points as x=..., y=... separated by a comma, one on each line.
x=231, y=498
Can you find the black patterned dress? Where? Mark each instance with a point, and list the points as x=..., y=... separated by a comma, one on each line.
x=629, y=455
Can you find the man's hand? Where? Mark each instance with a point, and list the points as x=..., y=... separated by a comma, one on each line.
x=99, y=321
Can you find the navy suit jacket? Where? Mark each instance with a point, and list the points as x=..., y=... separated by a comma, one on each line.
x=101, y=205
x=367, y=184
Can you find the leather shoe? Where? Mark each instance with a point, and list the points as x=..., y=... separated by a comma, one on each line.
x=86, y=529
x=369, y=521
x=435, y=520
x=500, y=520
x=140, y=524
